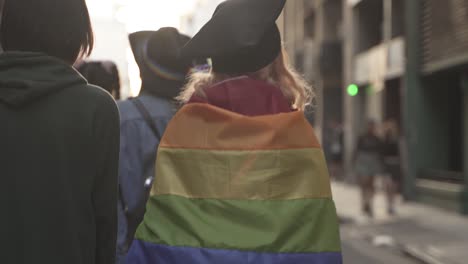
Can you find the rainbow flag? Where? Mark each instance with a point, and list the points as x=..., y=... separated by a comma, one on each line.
x=233, y=189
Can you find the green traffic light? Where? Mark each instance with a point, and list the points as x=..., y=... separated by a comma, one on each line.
x=353, y=90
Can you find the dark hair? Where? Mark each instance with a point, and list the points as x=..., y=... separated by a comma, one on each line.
x=58, y=28
x=103, y=74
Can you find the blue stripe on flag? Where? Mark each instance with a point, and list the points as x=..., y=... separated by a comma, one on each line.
x=147, y=253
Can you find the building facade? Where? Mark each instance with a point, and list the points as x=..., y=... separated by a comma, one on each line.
x=409, y=63
x=374, y=47
x=409, y=59
x=313, y=38
x=436, y=102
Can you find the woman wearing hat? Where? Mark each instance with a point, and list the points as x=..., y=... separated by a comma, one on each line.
x=241, y=175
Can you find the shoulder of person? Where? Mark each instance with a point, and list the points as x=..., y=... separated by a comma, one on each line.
x=93, y=96
x=98, y=101
x=98, y=93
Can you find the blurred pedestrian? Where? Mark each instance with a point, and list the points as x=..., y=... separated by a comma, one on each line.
x=240, y=176
x=334, y=149
x=391, y=157
x=368, y=163
x=103, y=74
x=143, y=121
x=59, y=142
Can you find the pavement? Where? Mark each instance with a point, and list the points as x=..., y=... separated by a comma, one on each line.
x=360, y=250
x=426, y=234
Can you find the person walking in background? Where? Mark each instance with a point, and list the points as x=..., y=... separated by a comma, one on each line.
x=103, y=74
x=334, y=149
x=143, y=121
x=391, y=158
x=59, y=141
x=240, y=175
x=368, y=163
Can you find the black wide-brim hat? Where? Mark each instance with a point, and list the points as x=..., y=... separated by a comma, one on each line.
x=241, y=37
x=159, y=53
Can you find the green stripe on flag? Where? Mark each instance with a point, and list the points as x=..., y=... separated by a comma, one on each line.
x=305, y=225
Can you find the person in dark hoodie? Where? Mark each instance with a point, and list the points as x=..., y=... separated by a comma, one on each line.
x=59, y=141
x=143, y=121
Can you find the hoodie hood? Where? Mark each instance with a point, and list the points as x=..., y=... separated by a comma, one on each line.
x=26, y=77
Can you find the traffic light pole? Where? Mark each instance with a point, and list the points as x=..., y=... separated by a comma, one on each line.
x=412, y=98
x=465, y=140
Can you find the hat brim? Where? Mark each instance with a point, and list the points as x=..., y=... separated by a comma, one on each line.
x=138, y=42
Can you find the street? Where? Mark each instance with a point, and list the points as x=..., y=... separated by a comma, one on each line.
x=415, y=235
x=359, y=250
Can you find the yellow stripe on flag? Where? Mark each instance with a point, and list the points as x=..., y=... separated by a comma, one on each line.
x=252, y=175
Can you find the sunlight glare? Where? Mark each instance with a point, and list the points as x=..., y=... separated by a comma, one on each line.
x=137, y=15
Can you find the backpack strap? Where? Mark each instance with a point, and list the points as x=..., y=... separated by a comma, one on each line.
x=147, y=117
x=150, y=122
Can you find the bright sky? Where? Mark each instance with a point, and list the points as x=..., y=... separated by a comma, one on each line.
x=136, y=15
x=142, y=14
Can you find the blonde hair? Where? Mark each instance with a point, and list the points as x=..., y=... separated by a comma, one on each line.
x=279, y=73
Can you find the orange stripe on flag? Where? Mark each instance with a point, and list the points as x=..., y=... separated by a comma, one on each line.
x=202, y=126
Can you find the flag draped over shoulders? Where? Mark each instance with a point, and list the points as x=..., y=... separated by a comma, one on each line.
x=237, y=189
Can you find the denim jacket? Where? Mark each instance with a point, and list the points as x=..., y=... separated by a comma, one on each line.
x=138, y=149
